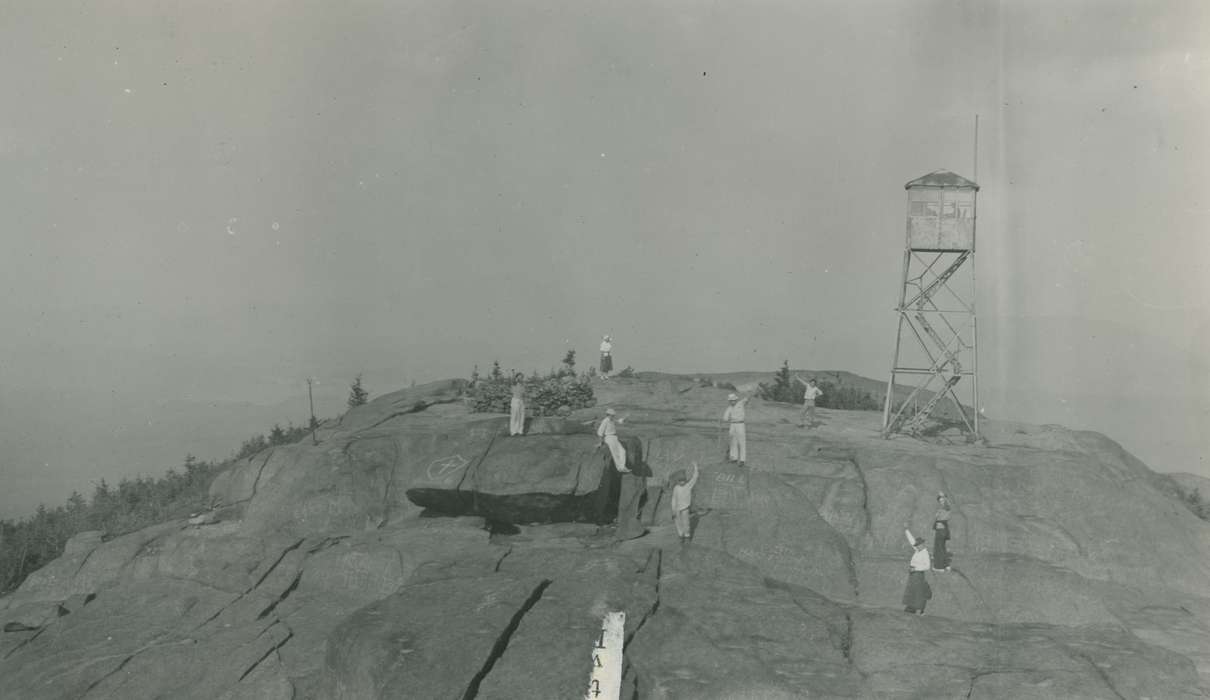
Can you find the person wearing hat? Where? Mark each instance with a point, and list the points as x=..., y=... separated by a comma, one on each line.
x=917, y=593
x=941, y=533
x=606, y=357
x=607, y=431
x=734, y=418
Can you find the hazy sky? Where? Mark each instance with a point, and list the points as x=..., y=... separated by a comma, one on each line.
x=209, y=201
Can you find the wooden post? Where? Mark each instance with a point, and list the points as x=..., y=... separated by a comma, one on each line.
x=311, y=400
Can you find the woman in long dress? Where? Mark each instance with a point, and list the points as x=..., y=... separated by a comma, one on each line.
x=516, y=407
x=941, y=534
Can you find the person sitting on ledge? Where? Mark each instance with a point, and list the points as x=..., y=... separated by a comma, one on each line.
x=607, y=431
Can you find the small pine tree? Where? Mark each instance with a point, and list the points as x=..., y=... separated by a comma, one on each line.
x=784, y=388
x=357, y=395
x=497, y=373
x=569, y=364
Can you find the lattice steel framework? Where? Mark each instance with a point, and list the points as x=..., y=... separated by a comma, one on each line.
x=936, y=307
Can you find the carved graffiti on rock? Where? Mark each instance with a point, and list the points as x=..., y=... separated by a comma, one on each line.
x=446, y=468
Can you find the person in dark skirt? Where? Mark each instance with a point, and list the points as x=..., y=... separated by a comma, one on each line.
x=941, y=534
x=606, y=357
x=917, y=593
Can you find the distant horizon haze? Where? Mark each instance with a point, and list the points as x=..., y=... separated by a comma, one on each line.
x=209, y=203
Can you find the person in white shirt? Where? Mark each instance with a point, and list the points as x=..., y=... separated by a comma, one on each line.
x=917, y=593
x=516, y=407
x=682, y=498
x=606, y=357
x=808, y=402
x=607, y=431
x=734, y=418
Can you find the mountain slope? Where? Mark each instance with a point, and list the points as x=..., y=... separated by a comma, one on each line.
x=325, y=575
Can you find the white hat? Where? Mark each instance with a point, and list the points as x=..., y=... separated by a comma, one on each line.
x=607, y=337
x=610, y=412
x=732, y=397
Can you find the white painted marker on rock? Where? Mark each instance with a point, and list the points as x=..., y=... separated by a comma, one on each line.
x=605, y=682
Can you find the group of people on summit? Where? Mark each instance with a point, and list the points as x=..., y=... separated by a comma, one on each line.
x=917, y=592
x=735, y=417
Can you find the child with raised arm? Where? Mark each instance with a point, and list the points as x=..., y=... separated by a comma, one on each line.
x=682, y=498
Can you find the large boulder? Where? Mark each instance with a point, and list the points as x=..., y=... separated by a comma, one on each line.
x=418, y=550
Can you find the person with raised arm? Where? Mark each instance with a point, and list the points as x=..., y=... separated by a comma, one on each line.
x=682, y=498
x=917, y=593
x=734, y=417
x=607, y=432
x=808, y=401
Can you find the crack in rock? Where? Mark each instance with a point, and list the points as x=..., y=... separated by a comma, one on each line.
x=256, y=585
x=658, y=556
x=27, y=641
x=326, y=543
x=865, y=494
x=386, y=492
x=85, y=561
x=273, y=649
x=473, y=472
x=256, y=481
x=502, y=558
x=285, y=594
x=846, y=642
x=417, y=407
x=501, y=644
x=1099, y=671
x=841, y=638
x=128, y=658
x=103, y=678
x=281, y=556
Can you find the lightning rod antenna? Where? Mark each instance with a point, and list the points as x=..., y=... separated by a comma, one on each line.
x=976, y=173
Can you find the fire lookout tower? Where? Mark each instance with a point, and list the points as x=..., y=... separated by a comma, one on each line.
x=936, y=306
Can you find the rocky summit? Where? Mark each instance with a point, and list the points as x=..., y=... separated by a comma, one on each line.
x=417, y=551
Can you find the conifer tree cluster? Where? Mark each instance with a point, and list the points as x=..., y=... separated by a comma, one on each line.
x=357, y=393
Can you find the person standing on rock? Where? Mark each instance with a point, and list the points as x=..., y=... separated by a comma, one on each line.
x=941, y=534
x=734, y=418
x=682, y=498
x=808, y=402
x=516, y=408
x=606, y=357
x=607, y=431
x=917, y=593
